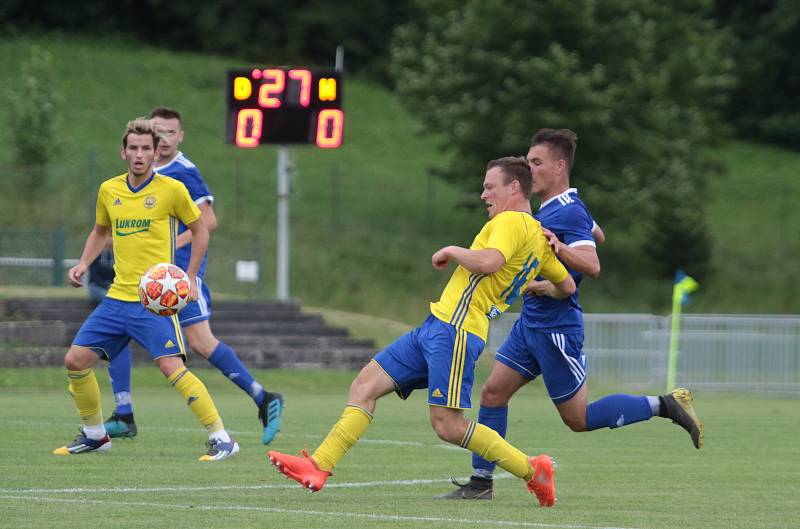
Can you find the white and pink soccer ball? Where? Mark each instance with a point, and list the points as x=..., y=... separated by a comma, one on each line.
x=164, y=289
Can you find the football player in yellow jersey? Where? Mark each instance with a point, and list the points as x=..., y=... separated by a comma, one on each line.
x=140, y=210
x=440, y=354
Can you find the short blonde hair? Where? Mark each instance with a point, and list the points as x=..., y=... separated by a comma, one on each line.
x=140, y=125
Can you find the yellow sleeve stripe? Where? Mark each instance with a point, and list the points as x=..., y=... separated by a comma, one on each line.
x=457, y=370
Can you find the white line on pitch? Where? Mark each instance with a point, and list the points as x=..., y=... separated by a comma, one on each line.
x=253, y=434
x=199, y=488
x=368, y=516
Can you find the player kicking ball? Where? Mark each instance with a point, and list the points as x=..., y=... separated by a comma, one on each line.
x=440, y=354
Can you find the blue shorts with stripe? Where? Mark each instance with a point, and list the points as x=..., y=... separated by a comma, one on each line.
x=436, y=356
x=113, y=323
x=199, y=310
x=558, y=357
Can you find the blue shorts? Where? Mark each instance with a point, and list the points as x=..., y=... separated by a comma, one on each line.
x=112, y=324
x=557, y=357
x=436, y=356
x=199, y=310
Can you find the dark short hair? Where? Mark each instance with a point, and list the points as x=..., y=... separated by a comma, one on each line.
x=561, y=141
x=140, y=126
x=166, y=113
x=514, y=168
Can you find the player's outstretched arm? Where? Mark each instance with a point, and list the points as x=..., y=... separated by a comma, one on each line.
x=484, y=261
x=95, y=243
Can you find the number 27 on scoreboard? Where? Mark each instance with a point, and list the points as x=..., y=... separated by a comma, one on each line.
x=284, y=105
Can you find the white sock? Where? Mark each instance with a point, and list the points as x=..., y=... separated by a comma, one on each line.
x=220, y=435
x=482, y=473
x=94, y=431
x=655, y=404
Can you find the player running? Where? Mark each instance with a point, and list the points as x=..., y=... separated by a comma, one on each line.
x=547, y=339
x=140, y=210
x=194, y=319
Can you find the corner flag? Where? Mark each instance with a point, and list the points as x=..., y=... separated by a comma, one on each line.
x=684, y=286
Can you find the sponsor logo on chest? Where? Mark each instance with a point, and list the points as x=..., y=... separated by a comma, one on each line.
x=125, y=227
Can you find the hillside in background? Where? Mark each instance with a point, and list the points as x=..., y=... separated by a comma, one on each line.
x=366, y=217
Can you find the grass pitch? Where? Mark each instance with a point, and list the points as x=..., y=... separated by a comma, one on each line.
x=643, y=476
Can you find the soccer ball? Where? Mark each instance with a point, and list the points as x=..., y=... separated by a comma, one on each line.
x=164, y=289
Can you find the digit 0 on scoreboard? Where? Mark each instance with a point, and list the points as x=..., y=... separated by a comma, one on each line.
x=268, y=106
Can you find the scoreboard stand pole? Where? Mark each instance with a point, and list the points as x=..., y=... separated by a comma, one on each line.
x=284, y=176
x=281, y=106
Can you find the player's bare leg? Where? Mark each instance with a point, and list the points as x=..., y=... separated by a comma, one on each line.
x=537, y=472
x=501, y=385
x=573, y=411
x=312, y=471
x=270, y=405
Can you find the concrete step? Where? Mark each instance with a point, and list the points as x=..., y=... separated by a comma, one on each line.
x=308, y=358
x=34, y=304
x=270, y=304
x=236, y=329
x=258, y=315
x=33, y=332
x=292, y=340
x=269, y=355
x=265, y=334
x=266, y=357
x=283, y=328
x=31, y=356
x=261, y=315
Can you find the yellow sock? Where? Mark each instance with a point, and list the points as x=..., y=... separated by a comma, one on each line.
x=86, y=393
x=488, y=444
x=344, y=434
x=197, y=397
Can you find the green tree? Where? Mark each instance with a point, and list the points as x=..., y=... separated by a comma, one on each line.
x=640, y=81
x=764, y=104
x=33, y=110
x=269, y=32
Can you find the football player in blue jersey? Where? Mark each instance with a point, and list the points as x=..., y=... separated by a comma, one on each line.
x=547, y=339
x=195, y=317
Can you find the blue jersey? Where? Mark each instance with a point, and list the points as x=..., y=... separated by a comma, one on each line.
x=182, y=169
x=566, y=216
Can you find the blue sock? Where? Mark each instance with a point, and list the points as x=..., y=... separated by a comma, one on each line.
x=119, y=371
x=617, y=410
x=224, y=358
x=497, y=420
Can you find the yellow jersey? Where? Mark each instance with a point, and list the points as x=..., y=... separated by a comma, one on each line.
x=470, y=300
x=144, y=226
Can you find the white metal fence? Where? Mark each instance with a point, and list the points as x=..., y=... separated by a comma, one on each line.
x=717, y=352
